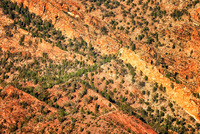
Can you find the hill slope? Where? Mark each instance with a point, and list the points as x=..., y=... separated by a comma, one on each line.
x=100, y=66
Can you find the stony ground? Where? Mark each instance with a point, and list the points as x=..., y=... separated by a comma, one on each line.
x=99, y=66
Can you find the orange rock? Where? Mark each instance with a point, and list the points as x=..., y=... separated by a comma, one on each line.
x=180, y=94
x=67, y=18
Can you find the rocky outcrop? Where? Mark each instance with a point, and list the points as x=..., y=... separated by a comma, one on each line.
x=180, y=94
x=18, y=107
x=195, y=14
x=129, y=122
x=73, y=23
x=33, y=47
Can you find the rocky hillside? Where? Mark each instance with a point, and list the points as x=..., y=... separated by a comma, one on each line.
x=99, y=66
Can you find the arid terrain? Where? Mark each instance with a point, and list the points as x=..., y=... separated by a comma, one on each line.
x=100, y=66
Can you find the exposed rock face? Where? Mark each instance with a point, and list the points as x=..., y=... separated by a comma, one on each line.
x=195, y=15
x=185, y=61
x=16, y=107
x=180, y=94
x=34, y=49
x=129, y=122
x=74, y=23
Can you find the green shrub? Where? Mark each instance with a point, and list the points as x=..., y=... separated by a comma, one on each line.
x=142, y=83
x=145, y=78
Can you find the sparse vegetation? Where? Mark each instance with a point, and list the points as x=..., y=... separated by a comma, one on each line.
x=79, y=90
